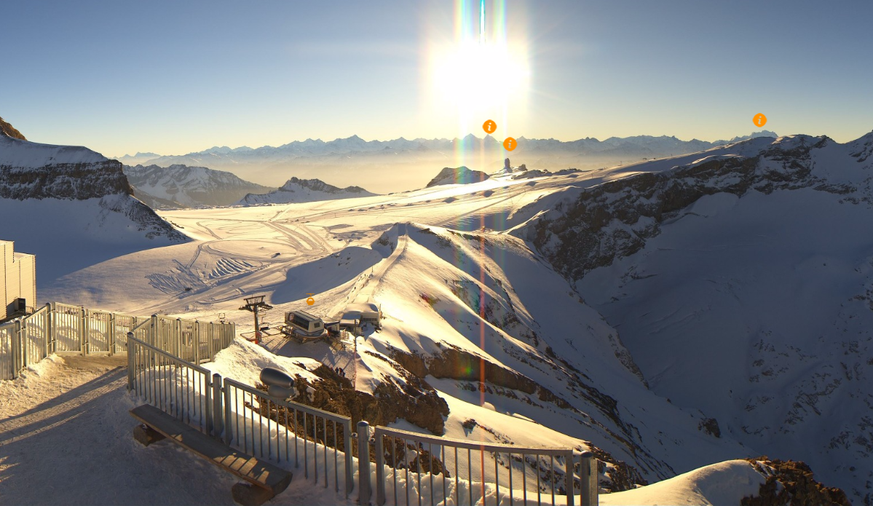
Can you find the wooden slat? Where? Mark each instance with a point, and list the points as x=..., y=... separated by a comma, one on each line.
x=257, y=472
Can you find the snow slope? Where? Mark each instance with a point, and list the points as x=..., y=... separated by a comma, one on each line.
x=759, y=290
x=714, y=485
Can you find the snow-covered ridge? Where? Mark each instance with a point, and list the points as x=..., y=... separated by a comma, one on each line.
x=81, y=201
x=183, y=186
x=21, y=153
x=304, y=190
x=31, y=170
x=744, y=269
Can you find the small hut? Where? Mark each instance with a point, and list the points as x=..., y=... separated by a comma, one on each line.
x=303, y=325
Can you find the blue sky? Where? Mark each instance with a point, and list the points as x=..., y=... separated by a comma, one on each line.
x=179, y=76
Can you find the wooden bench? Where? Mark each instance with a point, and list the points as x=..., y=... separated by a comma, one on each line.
x=267, y=479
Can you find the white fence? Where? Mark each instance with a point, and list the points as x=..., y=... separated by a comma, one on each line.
x=409, y=468
x=73, y=330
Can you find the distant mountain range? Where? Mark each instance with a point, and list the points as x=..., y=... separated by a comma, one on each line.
x=403, y=164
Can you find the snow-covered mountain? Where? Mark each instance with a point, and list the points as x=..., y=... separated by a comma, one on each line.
x=179, y=186
x=740, y=283
x=69, y=205
x=666, y=315
x=361, y=162
x=304, y=190
x=138, y=159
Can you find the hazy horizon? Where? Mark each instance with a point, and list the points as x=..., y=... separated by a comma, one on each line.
x=509, y=153
x=167, y=78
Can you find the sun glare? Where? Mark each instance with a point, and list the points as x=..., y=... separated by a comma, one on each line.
x=475, y=69
x=476, y=79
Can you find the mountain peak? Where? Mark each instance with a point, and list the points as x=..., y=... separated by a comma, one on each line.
x=10, y=131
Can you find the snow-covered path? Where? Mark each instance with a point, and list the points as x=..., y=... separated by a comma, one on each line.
x=65, y=438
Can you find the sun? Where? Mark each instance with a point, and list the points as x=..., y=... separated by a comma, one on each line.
x=473, y=80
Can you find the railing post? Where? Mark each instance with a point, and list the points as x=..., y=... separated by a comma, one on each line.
x=22, y=332
x=210, y=405
x=195, y=333
x=210, y=341
x=111, y=331
x=363, y=463
x=380, y=469
x=588, y=475
x=350, y=480
x=217, y=411
x=49, y=334
x=16, y=348
x=228, y=414
x=130, y=361
x=153, y=335
x=83, y=335
x=568, y=477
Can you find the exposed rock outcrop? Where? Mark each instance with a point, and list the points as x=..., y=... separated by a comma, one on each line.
x=10, y=131
x=416, y=401
x=791, y=483
x=43, y=171
x=457, y=175
x=614, y=219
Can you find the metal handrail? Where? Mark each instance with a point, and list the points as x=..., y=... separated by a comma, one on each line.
x=232, y=431
x=445, y=446
x=184, y=400
x=464, y=444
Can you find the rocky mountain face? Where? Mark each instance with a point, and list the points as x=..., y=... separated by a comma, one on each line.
x=181, y=186
x=304, y=190
x=740, y=284
x=10, y=131
x=457, y=175
x=42, y=171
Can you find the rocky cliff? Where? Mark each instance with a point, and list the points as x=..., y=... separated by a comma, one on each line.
x=457, y=175
x=10, y=131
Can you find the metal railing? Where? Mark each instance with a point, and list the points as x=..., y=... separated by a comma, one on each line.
x=175, y=386
x=24, y=341
x=66, y=329
x=410, y=468
x=282, y=430
x=77, y=330
x=190, y=340
x=422, y=469
x=242, y=416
